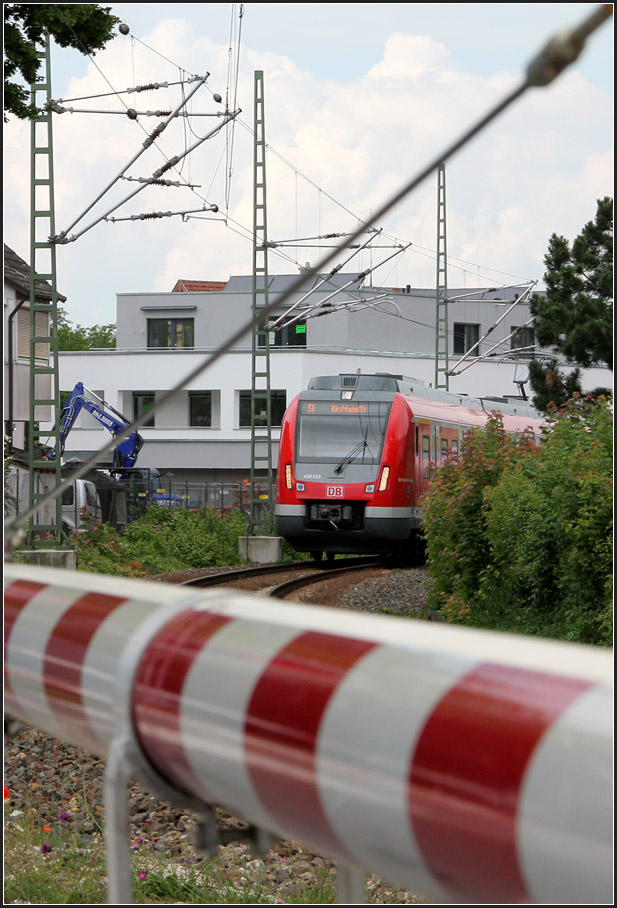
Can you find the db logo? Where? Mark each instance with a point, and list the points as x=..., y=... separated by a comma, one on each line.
x=334, y=491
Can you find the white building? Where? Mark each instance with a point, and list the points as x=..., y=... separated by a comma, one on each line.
x=16, y=395
x=16, y=347
x=338, y=325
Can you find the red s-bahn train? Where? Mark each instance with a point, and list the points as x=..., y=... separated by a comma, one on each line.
x=354, y=459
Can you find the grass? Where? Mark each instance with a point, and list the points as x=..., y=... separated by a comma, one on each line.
x=45, y=865
x=59, y=864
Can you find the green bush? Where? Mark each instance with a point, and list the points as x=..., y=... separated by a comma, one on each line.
x=163, y=540
x=454, y=515
x=549, y=528
x=520, y=538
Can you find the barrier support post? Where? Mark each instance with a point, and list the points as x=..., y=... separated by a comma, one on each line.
x=350, y=885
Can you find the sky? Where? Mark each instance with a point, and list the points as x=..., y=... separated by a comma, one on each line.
x=358, y=100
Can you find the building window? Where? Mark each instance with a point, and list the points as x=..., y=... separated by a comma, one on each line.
x=143, y=401
x=171, y=332
x=41, y=329
x=278, y=402
x=522, y=337
x=200, y=409
x=289, y=336
x=465, y=337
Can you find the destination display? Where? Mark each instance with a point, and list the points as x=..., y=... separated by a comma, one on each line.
x=343, y=408
x=330, y=429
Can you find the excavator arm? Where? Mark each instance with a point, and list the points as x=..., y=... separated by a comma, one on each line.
x=81, y=398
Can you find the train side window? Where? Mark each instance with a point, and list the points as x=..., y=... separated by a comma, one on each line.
x=426, y=446
x=444, y=447
x=454, y=446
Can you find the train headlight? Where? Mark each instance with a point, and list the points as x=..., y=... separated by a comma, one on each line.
x=288, y=478
x=383, y=479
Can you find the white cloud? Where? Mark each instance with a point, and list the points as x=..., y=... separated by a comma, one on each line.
x=412, y=57
x=348, y=147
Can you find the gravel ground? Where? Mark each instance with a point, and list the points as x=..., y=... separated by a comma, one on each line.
x=61, y=783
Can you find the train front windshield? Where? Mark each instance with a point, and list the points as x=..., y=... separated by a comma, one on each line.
x=330, y=431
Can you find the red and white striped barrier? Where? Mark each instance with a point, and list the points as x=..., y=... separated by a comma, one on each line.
x=466, y=766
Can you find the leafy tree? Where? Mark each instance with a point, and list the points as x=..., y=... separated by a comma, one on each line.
x=75, y=337
x=86, y=27
x=575, y=317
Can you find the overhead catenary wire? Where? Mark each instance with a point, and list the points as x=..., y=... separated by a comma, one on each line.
x=233, y=77
x=561, y=50
x=491, y=350
x=324, y=279
x=354, y=305
x=323, y=304
x=133, y=114
x=178, y=112
x=232, y=85
x=469, y=352
x=161, y=214
x=62, y=236
x=413, y=246
x=150, y=86
x=245, y=231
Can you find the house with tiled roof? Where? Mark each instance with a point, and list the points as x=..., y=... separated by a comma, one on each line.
x=182, y=286
x=16, y=325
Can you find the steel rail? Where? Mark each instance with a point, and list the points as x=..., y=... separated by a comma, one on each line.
x=261, y=570
x=464, y=765
x=316, y=577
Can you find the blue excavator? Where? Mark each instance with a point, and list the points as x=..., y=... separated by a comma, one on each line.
x=127, y=450
x=81, y=398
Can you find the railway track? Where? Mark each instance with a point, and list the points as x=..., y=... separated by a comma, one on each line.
x=296, y=576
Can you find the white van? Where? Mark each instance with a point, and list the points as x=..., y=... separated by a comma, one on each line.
x=81, y=506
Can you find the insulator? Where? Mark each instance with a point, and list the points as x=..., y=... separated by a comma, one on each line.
x=151, y=86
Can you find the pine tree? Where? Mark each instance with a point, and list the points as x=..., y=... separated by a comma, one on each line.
x=575, y=317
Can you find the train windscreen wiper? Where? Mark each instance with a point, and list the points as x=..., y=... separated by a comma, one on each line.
x=360, y=447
